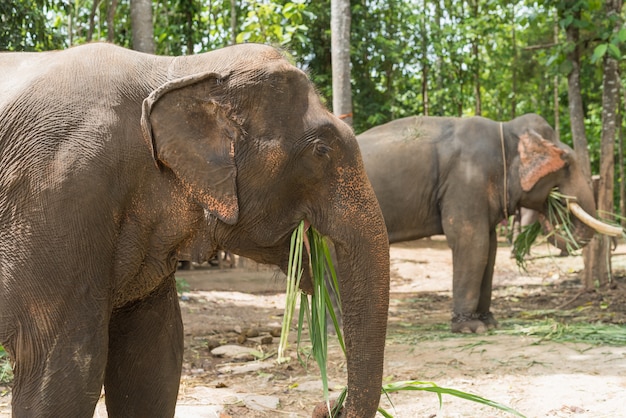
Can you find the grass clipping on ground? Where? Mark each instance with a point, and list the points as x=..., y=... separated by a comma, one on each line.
x=314, y=310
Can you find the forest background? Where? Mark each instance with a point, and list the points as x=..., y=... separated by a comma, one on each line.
x=495, y=58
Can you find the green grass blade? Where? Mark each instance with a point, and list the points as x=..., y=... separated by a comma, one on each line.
x=294, y=274
x=317, y=327
x=432, y=387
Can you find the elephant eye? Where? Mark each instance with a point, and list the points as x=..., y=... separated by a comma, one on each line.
x=321, y=149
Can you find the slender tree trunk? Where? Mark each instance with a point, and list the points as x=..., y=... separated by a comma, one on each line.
x=577, y=123
x=70, y=28
x=622, y=172
x=388, y=64
x=476, y=54
x=439, y=63
x=233, y=22
x=92, y=18
x=598, y=260
x=340, y=49
x=425, y=61
x=111, y=20
x=610, y=100
x=141, y=26
x=425, y=99
x=514, y=66
x=575, y=101
x=557, y=113
x=189, y=17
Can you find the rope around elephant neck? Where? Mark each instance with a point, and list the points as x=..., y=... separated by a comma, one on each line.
x=506, y=203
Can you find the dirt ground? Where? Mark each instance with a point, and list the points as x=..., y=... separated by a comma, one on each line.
x=535, y=375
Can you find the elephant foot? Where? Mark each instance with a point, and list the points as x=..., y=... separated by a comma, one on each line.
x=488, y=319
x=321, y=410
x=477, y=323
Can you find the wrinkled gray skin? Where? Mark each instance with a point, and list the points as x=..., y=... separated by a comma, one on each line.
x=436, y=175
x=112, y=161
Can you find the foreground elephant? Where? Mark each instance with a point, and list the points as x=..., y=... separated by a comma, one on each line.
x=435, y=175
x=111, y=161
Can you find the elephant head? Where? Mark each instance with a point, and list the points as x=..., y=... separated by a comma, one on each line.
x=255, y=149
x=546, y=163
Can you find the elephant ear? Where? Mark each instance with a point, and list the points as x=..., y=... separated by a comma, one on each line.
x=192, y=134
x=538, y=158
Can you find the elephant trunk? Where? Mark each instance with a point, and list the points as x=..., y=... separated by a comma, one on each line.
x=363, y=269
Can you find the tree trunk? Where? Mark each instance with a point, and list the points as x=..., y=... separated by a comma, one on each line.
x=92, y=18
x=476, y=54
x=141, y=26
x=610, y=101
x=622, y=172
x=514, y=66
x=575, y=100
x=557, y=119
x=111, y=20
x=340, y=50
x=425, y=61
x=439, y=63
x=598, y=268
x=233, y=22
x=189, y=17
x=577, y=122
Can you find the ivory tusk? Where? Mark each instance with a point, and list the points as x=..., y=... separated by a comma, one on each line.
x=592, y=222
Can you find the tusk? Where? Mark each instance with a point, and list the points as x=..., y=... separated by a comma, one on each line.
x=592, y=222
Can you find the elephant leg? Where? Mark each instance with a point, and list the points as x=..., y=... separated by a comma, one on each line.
x=58, y=363
x=145, y=356
x=470, y=255
x=484, y=302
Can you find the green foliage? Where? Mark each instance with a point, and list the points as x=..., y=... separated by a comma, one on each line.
x=6, y=374
x=182, y=285
x=273, y=23
x=24, y=25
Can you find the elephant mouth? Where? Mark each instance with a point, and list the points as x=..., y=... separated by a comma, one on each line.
x=593, y=223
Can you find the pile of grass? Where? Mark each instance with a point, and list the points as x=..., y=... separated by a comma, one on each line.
x=573, y=332
x=314, y=310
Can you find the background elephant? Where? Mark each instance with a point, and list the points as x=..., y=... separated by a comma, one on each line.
x=113, y=160
x=437, y=175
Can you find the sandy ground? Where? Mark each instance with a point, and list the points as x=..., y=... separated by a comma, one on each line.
x=538, y=378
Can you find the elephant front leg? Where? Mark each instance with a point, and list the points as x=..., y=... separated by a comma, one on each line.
x=484, y=301
x=145, y=356
x=472, y=254
x=59, y=357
